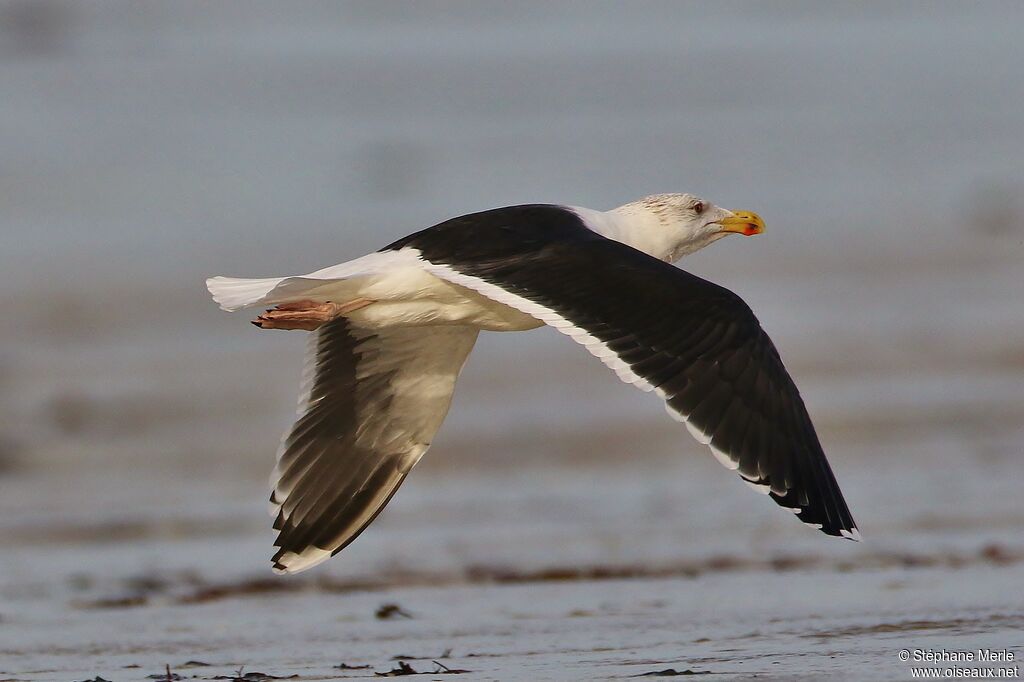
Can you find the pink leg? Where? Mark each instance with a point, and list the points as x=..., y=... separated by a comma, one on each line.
x=306, y=315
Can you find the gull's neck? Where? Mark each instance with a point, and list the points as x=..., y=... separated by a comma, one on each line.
x=635, y=225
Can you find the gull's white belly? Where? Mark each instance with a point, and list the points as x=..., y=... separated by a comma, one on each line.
x=412, y=297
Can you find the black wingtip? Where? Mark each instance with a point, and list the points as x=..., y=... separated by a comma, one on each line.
x=829, y=514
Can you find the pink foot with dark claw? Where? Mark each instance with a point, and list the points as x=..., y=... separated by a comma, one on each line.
x=306, y=315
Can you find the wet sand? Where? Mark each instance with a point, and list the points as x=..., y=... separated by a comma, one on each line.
x=536, y=576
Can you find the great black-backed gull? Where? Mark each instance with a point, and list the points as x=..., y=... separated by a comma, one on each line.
x=394, y=328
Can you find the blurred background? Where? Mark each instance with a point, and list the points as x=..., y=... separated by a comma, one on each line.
x=145, y=146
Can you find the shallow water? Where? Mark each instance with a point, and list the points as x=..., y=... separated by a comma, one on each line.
x=561, y=527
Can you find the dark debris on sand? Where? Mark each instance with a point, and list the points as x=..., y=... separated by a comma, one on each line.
x=404, y=669
x=389, y=611
x=442, y=669
x=672, y=672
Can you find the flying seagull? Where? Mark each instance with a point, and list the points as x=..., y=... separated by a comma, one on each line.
x=392, y=330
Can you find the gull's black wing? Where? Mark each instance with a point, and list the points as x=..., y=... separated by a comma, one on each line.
x=695, y=343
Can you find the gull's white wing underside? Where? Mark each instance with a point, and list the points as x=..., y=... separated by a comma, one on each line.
x=371, y=403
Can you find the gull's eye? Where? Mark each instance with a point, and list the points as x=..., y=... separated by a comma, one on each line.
x=698, y=207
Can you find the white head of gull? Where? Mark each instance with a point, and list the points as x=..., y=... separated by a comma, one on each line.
x=670, y=226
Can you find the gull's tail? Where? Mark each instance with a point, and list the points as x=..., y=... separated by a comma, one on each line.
x=337, y=283
x=233, y=293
